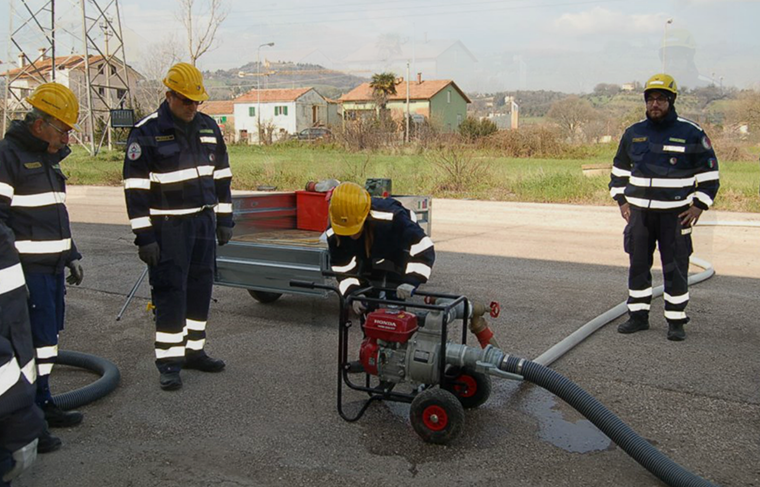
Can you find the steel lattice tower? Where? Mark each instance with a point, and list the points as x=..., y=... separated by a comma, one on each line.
x=93, y=65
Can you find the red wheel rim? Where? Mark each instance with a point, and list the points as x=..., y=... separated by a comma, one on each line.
x=468, y=386
x=435, y=418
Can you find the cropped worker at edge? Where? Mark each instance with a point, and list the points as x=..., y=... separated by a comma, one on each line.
x=664, y=175
x=21, y=421
x=177, y=186
x=376, y=238
x=32, y=205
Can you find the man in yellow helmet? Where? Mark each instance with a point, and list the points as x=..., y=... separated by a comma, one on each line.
x=664, y=175
x=177, y=185
x=376, y=239
x=32, y=205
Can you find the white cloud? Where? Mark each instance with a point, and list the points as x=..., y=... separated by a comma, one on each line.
x=600, y=20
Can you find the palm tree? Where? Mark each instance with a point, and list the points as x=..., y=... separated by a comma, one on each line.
x=383, y=86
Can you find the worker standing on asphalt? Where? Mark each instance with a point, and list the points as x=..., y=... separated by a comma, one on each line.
x=376, y=239
x=21, y=421
x=664, y=175
x=32, y=205
x=177, y=185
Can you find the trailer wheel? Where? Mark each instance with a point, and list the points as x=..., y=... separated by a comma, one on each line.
x=264, y=297
x=437, y=416
x=471, y=388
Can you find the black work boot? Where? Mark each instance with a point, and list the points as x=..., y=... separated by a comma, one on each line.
x=170, y=380
x=676, y=332
x=48, y=443
x=633, y=325
x=58, y=418
x=204, y=363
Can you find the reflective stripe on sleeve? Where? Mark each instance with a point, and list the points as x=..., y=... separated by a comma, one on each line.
x=417, y=268
x=138, y=223
x=30, y=371
x=11, y=278
x=223, y=208
x=6, y=190
x=9, y=375
x=704, y=198
x=381, y=215
x=37, y=200
x=44, y=369
x=621, y=173
x=421, y=246
x=136, y=183
x=347, y=283
x=223, y=173
x=643, y=293
x=708, y=176
x=329, y=232
x=617, y=192
x=342, y=269
x=43, y=247
x=683, y=298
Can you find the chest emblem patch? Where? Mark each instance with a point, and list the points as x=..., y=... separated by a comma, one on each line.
x=706, y=142
x=33, y=165
x=673, y=160
x=134, y=151
x=211, y=157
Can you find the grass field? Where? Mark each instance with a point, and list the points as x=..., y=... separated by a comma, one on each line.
x=475, y=175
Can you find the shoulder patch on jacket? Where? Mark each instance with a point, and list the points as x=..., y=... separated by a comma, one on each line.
x=33, y=165
x=134, y=151
x=706, y=142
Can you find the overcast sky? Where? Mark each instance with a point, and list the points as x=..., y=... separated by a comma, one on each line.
x=565, y=45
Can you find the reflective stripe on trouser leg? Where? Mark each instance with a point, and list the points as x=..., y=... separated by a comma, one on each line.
x=675, y=248
x=46, y=315
x=200, y=282
x=639, y=243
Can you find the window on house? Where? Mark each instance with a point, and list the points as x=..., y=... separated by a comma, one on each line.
x=251, y=111
x=101, y=91
x=280, y=110
x=113, y=70
x=448, y=97
x=223, y=119
x=459, y=119
x=120, y=94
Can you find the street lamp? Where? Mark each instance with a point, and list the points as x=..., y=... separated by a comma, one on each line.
x=258, y=90
x=665, y=38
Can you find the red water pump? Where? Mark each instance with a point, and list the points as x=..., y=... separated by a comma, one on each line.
x=393, y=327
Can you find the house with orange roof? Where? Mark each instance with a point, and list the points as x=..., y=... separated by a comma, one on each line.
x=281, y=112
x=439, y=101
x=223, y=112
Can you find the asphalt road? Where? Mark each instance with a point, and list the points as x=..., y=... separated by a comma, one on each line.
x=270, y=417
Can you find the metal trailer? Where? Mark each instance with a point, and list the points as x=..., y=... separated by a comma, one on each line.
x=267, y=250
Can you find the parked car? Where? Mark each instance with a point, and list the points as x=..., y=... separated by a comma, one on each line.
x=314, y=133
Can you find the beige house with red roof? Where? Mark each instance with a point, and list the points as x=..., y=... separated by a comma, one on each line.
x=284, y=111
x=70, y=72
x=441, y=102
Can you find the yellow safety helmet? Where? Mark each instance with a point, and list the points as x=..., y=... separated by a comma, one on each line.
x=663, y=82
x=186, y=80
x=349, y=207
x=57, y=101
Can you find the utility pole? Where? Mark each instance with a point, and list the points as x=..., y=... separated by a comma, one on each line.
x=107, y=34
x=664, y=39
x=407, y=103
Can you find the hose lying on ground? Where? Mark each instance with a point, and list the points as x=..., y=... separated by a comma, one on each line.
x=84, y=395
x=634, y=445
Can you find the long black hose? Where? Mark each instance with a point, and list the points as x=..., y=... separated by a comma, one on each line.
x=634, y=445
x=84, y=395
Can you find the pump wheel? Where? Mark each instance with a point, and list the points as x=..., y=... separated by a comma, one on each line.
x=264, y=297
x=437, y=416
x=471, y=388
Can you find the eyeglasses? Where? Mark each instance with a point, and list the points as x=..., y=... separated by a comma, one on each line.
x=65, y=133
x=657, y=100
x=186, y=101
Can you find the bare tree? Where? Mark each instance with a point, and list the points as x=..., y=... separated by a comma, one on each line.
x=201, y=25
x=155, y=62
x=571, y=114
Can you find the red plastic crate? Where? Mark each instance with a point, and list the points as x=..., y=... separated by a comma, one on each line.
x=311, y=211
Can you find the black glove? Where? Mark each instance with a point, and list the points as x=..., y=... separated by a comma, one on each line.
x=77, y=273
x=223, y=234
x=150, y=254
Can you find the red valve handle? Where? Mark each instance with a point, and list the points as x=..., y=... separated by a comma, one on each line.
x=429, y=300
x=495, y=309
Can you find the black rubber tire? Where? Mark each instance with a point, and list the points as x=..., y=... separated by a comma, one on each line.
x=437, y=416
x=471, y=388
x=264, y=297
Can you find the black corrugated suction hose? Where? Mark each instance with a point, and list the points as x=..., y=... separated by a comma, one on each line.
x=634, y=445
x=109, y=379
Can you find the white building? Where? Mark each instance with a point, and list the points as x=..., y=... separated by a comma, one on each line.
x=283, y=112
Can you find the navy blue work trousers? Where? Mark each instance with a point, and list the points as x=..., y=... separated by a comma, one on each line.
x=181, y=285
